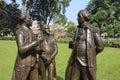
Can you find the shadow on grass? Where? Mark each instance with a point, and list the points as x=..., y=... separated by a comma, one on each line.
x=59, y=78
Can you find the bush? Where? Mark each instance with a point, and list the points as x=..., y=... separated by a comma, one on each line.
x=105, y=43
x=62, y=40
x=7, y=38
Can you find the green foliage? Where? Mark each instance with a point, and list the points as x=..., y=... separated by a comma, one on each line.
x=107, y=61
x=47, y=10
x=99, y=16
x=67, y=28
x=8, y=18
x=106, y=44
x=7, y=38
x=70, y=28
x=105, y=13
x=62, y=40
x=60, y=19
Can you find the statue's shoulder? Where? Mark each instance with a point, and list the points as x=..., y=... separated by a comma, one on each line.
x=19, y=30
x=91, y=27
x=94, y=29
x=52, y=37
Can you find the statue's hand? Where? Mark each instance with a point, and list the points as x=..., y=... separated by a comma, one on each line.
x=37, y=42
x=43, y=56
x=37, y=48
x=40, y=39
x=71, y=44
x=48, y=60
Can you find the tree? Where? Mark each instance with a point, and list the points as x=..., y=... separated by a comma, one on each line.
x=9, y=18
x=105, y=14
x=70, y=29
x=47, y=10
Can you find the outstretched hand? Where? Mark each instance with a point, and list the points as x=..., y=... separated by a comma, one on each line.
x=48, y=60
x=40, y=39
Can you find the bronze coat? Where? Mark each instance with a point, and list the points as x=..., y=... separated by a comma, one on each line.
x=26, y=56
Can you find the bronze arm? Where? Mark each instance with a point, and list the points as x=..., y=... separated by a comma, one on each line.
x=98, y=43
x=22, y=47
x=55, y=51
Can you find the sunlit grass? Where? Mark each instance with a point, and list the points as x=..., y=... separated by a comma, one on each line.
x=108, y=63
x=108, y=67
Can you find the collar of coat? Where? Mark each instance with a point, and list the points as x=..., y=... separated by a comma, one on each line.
x=89, y=26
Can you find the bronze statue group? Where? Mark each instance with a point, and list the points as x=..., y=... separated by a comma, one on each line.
x=86, y=44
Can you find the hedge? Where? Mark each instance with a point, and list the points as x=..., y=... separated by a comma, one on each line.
x=7, y=38
x=62, y=40
x=105, y=43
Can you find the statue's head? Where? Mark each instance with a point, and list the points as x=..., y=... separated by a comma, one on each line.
x=26, y=18
x=83, y=15
x=46, y=29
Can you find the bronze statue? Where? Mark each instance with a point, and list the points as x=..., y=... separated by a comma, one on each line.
x=25, y=65
x=47, y=53
x=86, y=44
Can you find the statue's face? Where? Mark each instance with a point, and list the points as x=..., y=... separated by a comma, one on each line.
x=80, y=20
x=47, y=30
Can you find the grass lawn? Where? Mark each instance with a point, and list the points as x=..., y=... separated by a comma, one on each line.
x=108, y=63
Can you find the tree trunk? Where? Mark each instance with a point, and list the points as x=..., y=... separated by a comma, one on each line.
x=23, y=8
x=108, y=40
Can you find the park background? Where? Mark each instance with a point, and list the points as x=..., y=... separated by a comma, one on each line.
x=105, y=14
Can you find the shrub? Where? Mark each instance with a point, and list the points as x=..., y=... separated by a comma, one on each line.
x=105, y=43
x=7, y=38
x=62, y=40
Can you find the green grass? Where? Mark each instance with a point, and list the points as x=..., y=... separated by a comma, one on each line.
x=108, y=63
x=8, y=54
